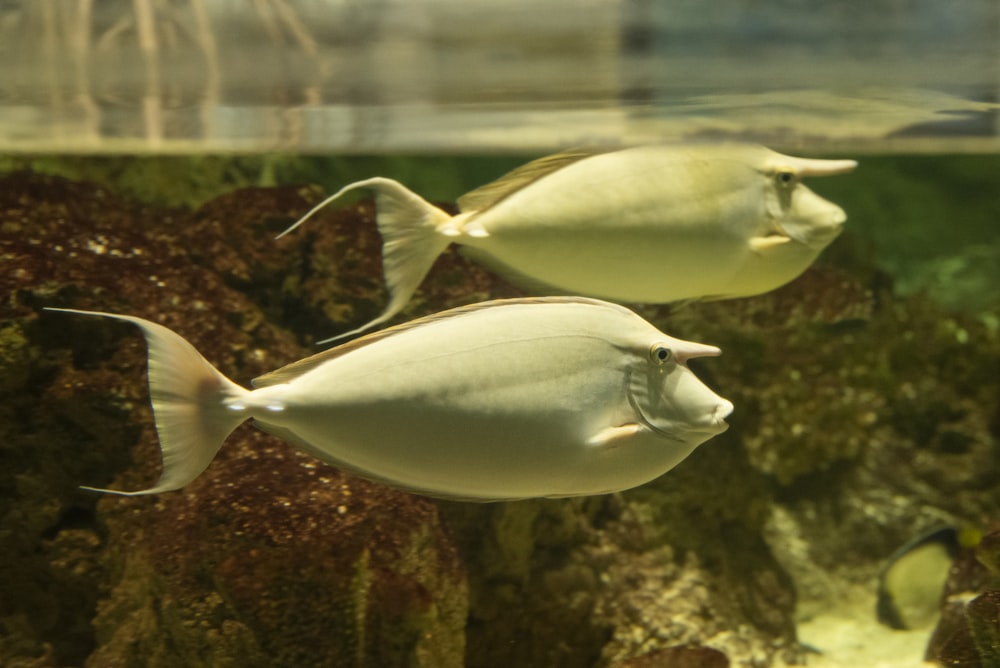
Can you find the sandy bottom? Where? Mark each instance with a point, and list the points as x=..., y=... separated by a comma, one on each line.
x=849, y=636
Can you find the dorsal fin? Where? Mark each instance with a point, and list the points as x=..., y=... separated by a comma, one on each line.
x=291, y=371
x=486, y=196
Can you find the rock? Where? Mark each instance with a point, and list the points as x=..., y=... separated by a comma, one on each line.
x=983, y=616
x=968, y=633
x=271, y=557
x=682, y=656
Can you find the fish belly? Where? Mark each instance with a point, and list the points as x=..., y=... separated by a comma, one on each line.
x=618, y=265
x=759, y=274
x=455, y=433
x=474, y=456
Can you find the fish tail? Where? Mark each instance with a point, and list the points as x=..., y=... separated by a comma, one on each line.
x=410, y=228
x=194, y=405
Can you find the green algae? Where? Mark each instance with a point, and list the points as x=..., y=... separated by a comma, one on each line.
x=932, y=223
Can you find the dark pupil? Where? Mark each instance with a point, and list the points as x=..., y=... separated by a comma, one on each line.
x=785, y=177
x=662, y=354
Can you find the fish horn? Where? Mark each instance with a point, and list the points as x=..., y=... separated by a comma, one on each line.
x=807, y=167
x=686, y=350
x=194, y=405
x=408, y=225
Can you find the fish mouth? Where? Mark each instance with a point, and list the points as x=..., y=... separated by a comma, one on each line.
x=815, y=232
x=716, y=423
x=722, y=411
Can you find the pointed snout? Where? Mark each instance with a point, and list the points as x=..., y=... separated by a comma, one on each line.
x=806, y=167
x=688, y=350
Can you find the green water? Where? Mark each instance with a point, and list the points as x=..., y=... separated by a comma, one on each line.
x=929, y=221
x=866, y=395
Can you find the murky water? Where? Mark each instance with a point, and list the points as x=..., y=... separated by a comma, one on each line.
x=866, y=391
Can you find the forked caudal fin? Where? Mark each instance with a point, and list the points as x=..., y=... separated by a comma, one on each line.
x=409, y=227
x=194, y=405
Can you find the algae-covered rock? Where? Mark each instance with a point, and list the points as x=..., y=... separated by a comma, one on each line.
x=871, y=417
x=983, y=618
x=968, y=632
x=680, y=656
x=270, y=558
x=274, y=559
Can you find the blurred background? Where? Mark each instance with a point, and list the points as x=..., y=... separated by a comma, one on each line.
x=387, y=76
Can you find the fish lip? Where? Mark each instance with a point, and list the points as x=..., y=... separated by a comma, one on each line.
x=717, y=426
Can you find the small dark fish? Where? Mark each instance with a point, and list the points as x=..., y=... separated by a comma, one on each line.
x=911, y=581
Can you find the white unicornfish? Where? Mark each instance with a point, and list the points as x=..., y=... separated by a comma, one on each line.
x=647, y=224
x=507, y=399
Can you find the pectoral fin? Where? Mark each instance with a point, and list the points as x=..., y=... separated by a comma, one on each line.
x=762, y=244
x=612, y=437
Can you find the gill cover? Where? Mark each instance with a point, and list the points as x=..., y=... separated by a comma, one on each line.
x=669, y=398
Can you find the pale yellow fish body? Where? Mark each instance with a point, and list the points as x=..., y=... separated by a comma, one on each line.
x=502, y=400
x=645, y=224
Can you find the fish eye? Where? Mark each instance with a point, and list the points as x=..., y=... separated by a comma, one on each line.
x=660, y=354
x=785, y=176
